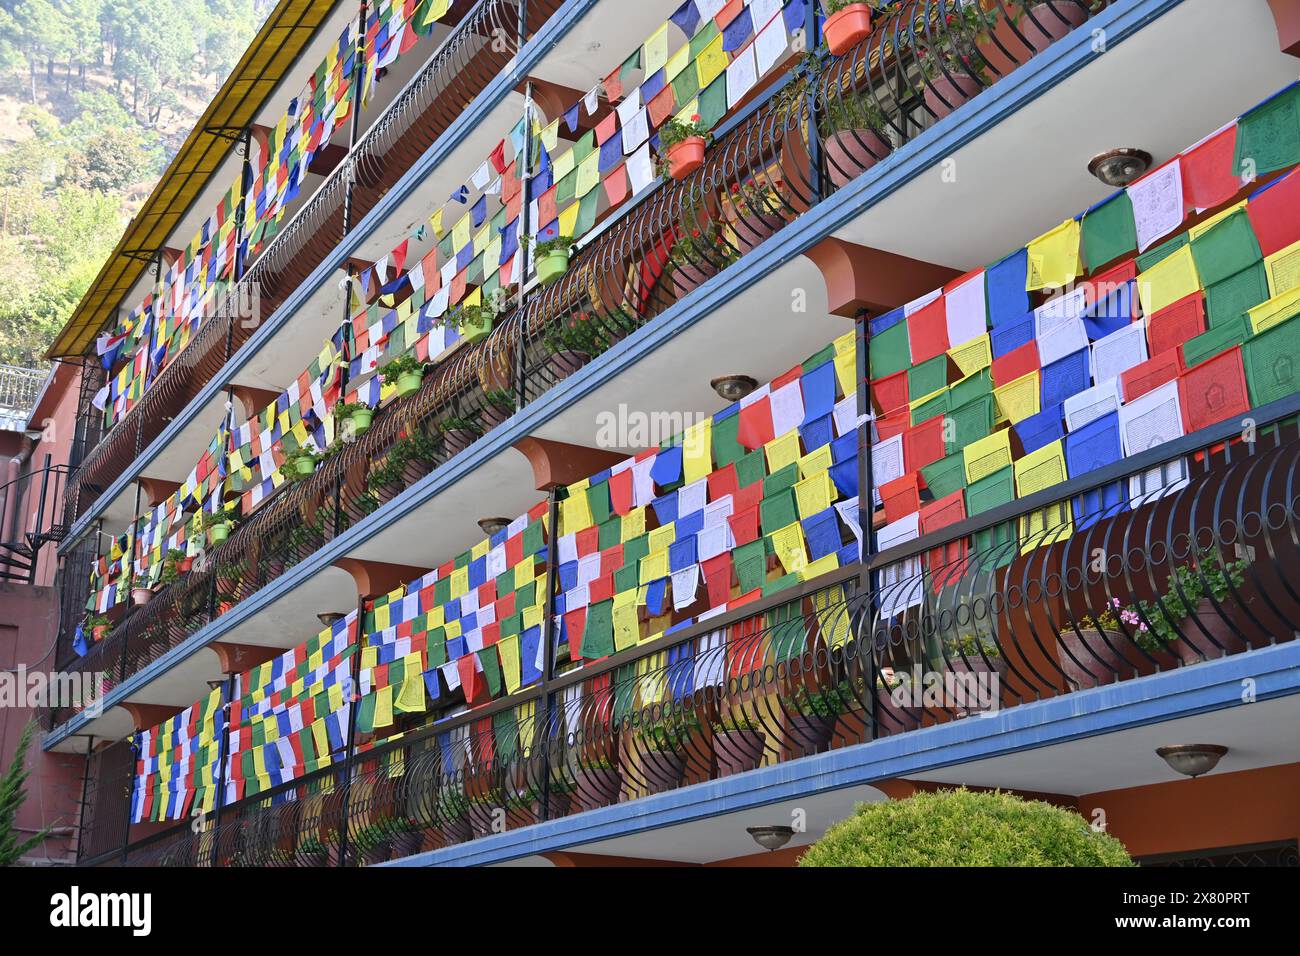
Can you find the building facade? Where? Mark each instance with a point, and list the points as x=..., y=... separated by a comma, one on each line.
x=566, y=432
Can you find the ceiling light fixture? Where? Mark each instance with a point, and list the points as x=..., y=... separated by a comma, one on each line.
x=770, y=838
x=1192, y=760
x=329, y=618
x=490, y=526
x=733, y=387
x=1119, y=167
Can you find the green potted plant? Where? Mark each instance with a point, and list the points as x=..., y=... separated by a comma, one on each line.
x=452, y=814
x=218, y=524
x=357, y=415
x=1043, y=22
x=738, y=744
x=407, y=836
x=97, y=626
x=300, y=465
x=1194, y=589
x=551, y=257
x=459, y=432
x=700, y=251
x=597, y=781
x=499, y=407
x=858, y=139
x=407, y=460
x=482, y=813
x=682, y=146
x=371, y=842
x=1092, y=649
x=811, y=715
x=662, y=746
x=312, y=852
x=754, y=209
x=406, y=371
x=573, y=341
x=174, y=564
x=848, y=23
x=957, y=70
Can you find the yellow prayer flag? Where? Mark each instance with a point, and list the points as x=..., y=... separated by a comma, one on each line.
x=563, y=164
x=321, y=737
x=663, y=536
x=788, y=544
x=814, y=494
x=460, y=233
x=1276, y=310
x=711, y=63
x=697, y=451
x=1169, y=280
x=678, y=62
x=627, y=627
x=508, y=651
x=1019, y=399
x=1054, y=257
x=1283, y=269
x=653, y=567
x=655, y=53
x=632, y=525
x=459, y=582
x=782, y=451
x=575, y=513
x=411, y=698
x=383, y=707
x=846, y=371
x=972, y=356
x=987, y=455
x=819, y=459
x=569, y=217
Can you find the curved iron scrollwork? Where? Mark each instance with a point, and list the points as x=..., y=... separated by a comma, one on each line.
x=758, y=176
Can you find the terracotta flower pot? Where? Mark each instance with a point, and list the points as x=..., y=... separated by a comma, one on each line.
x=1047, y=22
x=457, y=440
x=943, y=94
x=407, y=843
x=456, y=831
x=753, y=229
x=811, y=734
x=375, y=854
x=685, y=157
x=564, y=363
x=480, y=819
x=974, y=663
x=663, y=769
x=552, y=266
x=597, y=787
x=847, y=28
x=1194, y=646
x=895, y=718
x=494, y=415
x=99, y=632
x=738, y=750
x=141, y=596
x=852, y=152
x=688, y=278
x=184, y=565
x=1096, y=659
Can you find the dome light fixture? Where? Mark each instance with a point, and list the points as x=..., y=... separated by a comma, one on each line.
x=733, y=388
x=770, y=838
x=1192, y=760
x=329, y=618
x=490, y=526
x=1119, y=167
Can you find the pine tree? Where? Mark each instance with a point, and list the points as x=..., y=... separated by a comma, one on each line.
x=11, y=798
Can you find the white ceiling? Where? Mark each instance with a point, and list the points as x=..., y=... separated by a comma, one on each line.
x=1181, y=77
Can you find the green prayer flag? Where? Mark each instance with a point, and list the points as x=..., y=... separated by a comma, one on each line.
x=598, y=639
x=1268, y=137
x=750, y=561
x=713, y=102
x=1225, y=249
x=1230, y=298
x=726, y=449
x=1109, y=231
x=491, y=669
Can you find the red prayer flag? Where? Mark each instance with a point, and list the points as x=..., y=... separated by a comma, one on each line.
x=1208, y=176
x=756, y=424
x=620, y=491
x=1272, y=214
x=927, y=330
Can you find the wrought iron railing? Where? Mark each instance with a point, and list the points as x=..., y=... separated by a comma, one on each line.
x=18, y=390
x=759, y=175
x=457, y=71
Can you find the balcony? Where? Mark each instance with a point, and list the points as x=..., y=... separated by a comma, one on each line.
x=627, y=274
x=956, y=623
x=461, y=67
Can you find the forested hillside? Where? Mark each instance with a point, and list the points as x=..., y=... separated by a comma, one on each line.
x=95, y=98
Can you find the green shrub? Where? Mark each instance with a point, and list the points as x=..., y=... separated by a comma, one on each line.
x=963, y=828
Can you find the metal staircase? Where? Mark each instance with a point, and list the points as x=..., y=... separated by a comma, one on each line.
x=31, y=516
